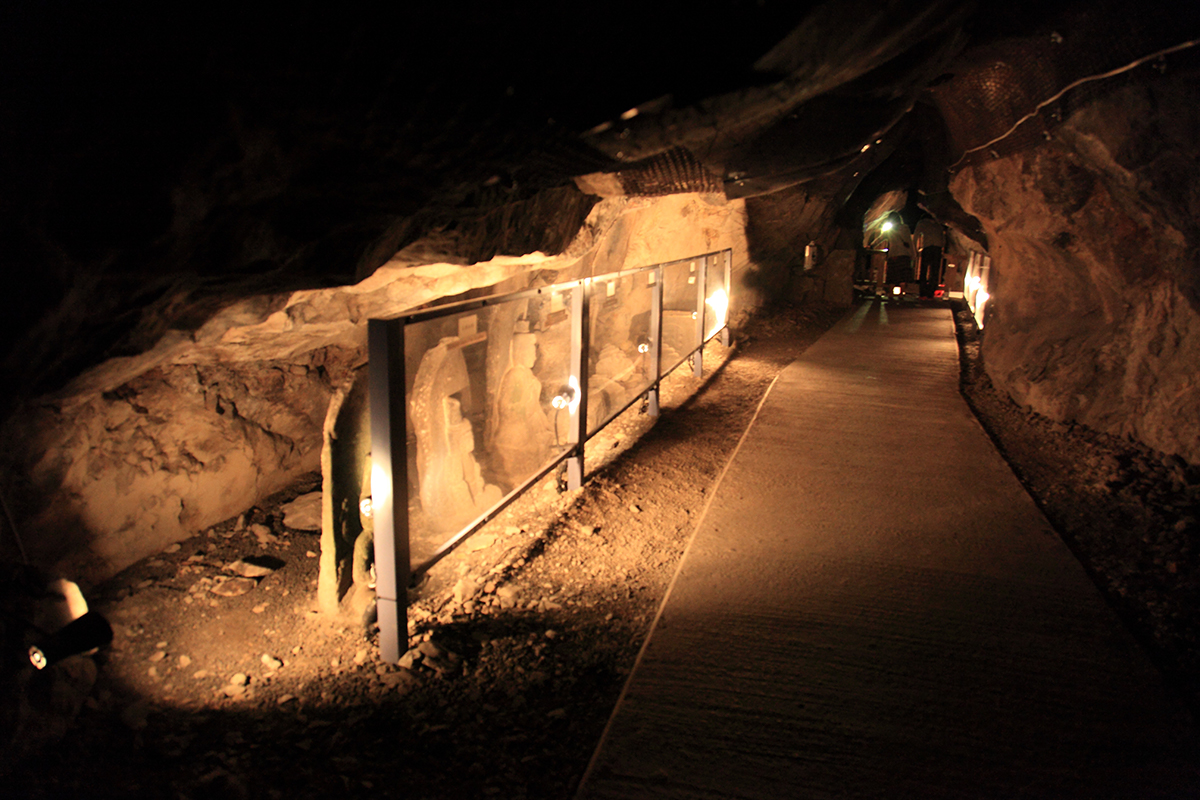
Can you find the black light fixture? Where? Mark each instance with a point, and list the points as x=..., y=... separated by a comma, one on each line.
x=564, y=398
x=86, y=633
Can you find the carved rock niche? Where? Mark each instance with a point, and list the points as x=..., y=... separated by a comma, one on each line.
x=452, y=488
x=344, y=456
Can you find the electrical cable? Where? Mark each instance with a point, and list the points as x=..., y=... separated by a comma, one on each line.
x=12, y=525
x=1087, y=79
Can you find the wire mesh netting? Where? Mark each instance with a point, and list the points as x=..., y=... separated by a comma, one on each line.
x=670, y=172
x=1009, y=95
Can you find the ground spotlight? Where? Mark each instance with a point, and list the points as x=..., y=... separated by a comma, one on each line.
x=86, y=633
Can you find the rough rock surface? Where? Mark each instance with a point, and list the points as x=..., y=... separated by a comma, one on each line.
x=779, y=226
x=520, y=640
x=145, y=450
x=303, y=513
x=115, y=476
x=1095, y=313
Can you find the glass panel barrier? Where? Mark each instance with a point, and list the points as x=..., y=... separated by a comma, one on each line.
x=491, y=402
x=716, y=302
x=679, y=333
x=619, y=354
x=485, y=389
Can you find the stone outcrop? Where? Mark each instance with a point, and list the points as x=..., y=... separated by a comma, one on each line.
x=1095, y=241
x=103, y=480
x=144, y=450
x=781, y=225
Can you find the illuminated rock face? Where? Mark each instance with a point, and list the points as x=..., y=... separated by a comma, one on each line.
x=142, y=451
x=451, y=484
x=1094, y=239
x=127, y=472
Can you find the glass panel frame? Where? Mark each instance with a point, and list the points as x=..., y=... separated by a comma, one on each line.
x=620, y=345
x=716, y=289
x=485, y=387
x=680, y=336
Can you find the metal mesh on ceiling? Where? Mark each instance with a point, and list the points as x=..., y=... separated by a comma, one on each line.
x=670, y=172
x=991, y=104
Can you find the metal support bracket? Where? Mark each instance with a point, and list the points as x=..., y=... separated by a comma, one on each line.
x=580, y=334
x=726, y=335
x=389, y=483
x=656, y=336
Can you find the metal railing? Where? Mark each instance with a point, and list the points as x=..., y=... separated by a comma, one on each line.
x=506, y=369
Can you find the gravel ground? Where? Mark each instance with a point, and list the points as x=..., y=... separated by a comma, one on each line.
x=1127, y=512
x=523, y=637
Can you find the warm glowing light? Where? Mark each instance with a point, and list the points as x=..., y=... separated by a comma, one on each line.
x=982, y=297
x=719, y=301
x=69, y=590
x=381, y=485
x=644, y=347
x=896, y=290
x=974, y=282
x=865, y=148
x=38, y=658
x=365, y=507
x=887, y=226
x=567, y=397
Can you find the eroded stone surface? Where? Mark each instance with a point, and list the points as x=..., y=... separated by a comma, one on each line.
x=144, y=450
x=303, y=513
x=1093, y=316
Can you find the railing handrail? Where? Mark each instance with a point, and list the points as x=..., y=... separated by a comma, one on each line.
x=459, y=306
x=388, y=396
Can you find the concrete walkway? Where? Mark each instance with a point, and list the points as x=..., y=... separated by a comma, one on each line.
x=874, y=607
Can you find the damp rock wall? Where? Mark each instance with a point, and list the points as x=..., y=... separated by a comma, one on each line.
x=782, y=224
x=1095, y=245
x=144, y=450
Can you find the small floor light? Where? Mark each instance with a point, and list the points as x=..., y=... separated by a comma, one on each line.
x=86, y=633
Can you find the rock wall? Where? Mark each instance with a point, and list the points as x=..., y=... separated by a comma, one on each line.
x=144, y=450
x=1095, y=241
x=105, y=479
x=779, y=227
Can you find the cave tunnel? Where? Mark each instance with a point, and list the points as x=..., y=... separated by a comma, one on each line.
x=203, y=209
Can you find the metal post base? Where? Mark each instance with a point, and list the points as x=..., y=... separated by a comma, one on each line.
x=391, y=626
x=574, y=472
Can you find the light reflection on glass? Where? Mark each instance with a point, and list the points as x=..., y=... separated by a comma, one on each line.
x=719, y=302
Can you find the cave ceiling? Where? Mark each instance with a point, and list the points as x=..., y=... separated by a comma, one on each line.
x=161, y=161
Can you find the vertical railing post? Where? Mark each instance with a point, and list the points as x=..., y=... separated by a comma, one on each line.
x=389, y=483
x=701, y=280
x=726, y=336
x=580, y=335
x=656, y=326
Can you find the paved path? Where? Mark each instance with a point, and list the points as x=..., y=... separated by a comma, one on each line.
x=874, y=607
